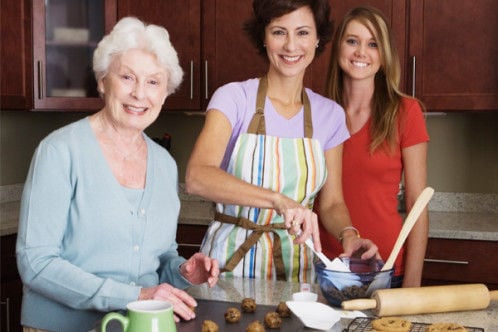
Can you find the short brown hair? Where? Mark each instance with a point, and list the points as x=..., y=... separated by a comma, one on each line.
x=264, y=11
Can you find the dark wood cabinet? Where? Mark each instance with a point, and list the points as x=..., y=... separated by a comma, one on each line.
x=15, y=55
x=455, y=49
x=210, y=42
x=448, y=50
x=10, y=286
x=182, y=19
x=65, y=34
x=189, y=238
x=454, y=261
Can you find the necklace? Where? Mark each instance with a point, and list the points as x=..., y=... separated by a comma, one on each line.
x=117, y=146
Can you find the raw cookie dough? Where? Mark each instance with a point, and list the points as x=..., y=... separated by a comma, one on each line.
x=273, y=320
x=232, y=315
x=248, y=305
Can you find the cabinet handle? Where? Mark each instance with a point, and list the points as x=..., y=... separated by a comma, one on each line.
x=206, y=91
x=40, y=79
x=414, y=66
x=191, y=79
x=189, y=245
x=7, y=311
x=445, y=261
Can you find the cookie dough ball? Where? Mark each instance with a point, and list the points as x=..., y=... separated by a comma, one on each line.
x=255, y=326
x=273, y=320
x=209, y=326
x=445, y=327
x=391, y=324
x=283, y=310
x=232, y=315
x=248, y=305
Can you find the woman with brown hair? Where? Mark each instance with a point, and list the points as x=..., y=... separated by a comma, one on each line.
x=388, y=140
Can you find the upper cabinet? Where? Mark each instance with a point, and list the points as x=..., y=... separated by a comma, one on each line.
x=65, y=34
x=208, y=36
x=448, y=49
x=183, y=21
x=453, y=52
x=15, y=55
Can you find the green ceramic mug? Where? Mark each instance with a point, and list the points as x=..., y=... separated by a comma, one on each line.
x=144, y=316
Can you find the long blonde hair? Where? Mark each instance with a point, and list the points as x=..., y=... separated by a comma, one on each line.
x=387, y=96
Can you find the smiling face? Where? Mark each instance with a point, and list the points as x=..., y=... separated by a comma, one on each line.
x=359, y=55
x=134, y=89
x=291, y=42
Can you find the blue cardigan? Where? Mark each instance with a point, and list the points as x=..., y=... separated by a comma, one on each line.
x=83, y=248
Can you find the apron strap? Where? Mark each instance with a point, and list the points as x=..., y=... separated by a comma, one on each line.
x=257, y=124
x=258, y=231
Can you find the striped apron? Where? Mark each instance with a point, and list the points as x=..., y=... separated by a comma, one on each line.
x=253, y=242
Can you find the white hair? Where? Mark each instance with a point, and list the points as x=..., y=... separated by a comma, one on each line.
x=131, y=33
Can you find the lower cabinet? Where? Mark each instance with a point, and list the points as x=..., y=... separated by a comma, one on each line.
x=189, y=238
x=10, y=286
x=453, y=261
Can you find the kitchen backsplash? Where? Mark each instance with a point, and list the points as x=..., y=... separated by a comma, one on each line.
x=198, y=207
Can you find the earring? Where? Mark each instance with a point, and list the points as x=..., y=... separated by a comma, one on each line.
x=317, y=45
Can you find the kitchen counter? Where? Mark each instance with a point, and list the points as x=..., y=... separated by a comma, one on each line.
x=272, y=292
x=451, y=215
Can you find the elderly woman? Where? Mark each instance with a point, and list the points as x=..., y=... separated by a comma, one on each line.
x=100, y=204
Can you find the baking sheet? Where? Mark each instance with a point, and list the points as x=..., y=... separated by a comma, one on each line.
x=361, y=324
x=215, y=310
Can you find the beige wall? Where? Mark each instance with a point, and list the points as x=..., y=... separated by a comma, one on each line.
x=463, y=152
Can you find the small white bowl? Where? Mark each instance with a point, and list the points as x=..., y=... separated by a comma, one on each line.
x=305, y=297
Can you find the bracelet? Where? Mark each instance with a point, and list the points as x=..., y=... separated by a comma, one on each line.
x=348, y=228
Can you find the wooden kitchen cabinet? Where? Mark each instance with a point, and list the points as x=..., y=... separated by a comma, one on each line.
x=15, y=55
x=455, y=49
x=65, y=34
x=210, y=42
x=189, y=238
x=47, y=49
x=454, y=261
x=10, y=286
x=182, y=20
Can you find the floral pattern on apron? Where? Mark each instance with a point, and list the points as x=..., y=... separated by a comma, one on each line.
x=253, y=242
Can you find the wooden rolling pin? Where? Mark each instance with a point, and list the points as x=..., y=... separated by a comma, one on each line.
x=422, y=300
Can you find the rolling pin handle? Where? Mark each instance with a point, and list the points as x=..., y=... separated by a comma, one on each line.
x=493, y=295
x=359, y=304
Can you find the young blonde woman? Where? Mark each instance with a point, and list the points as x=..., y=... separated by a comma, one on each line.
x=388, y=140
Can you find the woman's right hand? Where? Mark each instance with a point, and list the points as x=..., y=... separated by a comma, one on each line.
x=299, y=220
x=182, y=302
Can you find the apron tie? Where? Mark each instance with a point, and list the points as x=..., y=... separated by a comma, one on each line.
x=258, y=231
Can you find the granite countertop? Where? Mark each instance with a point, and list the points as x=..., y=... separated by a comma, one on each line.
x=451, y=215
x=272, y=292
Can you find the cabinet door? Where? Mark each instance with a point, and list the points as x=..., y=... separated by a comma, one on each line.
x=456, y=53
x=65, y=34
x=182, y=20
x=15, y=55
x=10, y=286
x=228, y=53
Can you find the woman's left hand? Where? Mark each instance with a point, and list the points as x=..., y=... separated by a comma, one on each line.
x=354, y=246
x=200, y=268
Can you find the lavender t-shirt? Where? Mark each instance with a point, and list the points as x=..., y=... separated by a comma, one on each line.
x=237, y=101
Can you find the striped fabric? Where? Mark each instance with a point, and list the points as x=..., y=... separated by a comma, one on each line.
x=292, y=166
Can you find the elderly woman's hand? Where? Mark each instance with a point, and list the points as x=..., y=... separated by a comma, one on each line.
x=182, y=302
x=200, y=268
x=299, y=220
